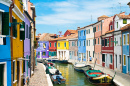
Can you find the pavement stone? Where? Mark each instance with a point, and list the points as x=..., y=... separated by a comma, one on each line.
x=39, y=78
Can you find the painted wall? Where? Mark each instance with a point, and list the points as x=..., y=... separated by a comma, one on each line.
x=52, y=48
x=125, y=49
x=62, y=47
x=42, y=49
x=67, y=33
x=5, y=53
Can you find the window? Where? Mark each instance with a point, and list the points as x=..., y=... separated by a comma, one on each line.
x=124, y=60
x=84, y=32
x=65, y=44
x=120, y=58
x=77, y=43
x=89, y=42
x=127, y=38
x=50, y=44
x=89, y=53
x=89, y=31
x=55, y=44
x=84, y=43
x=58, y=44
x=110, y=58
x=26, y=31
x=124, y=39
x=102, y=42
x=98, y=27
x=80, y=33
x=94, y=29
x=115, y=42
x=108, y=42
x=70, y=53
x=69, y=43
x=124, y=21
x=105, y=42
x=44, y=53
x=44, y=45
x=95, y=41
x=111, y=27
x=117, y=24
x=13, y=71
x=103, y=57
x=111, y=42
x=98, y=40
x=0, y=23
x=93, y=54
x=120, y=41
x=38, y=53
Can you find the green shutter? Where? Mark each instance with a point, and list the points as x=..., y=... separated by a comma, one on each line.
x=5, y=23
x=15, y=28
x=22, y=33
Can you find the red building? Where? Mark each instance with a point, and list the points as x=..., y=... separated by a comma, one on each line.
x=52, y=48
x=69, y=32
x=108, y=48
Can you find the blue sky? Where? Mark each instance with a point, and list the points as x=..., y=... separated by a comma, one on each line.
x=60, y=15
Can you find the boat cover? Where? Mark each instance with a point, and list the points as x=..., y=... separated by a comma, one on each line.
x=54, y=76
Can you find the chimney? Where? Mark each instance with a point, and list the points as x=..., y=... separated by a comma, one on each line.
x=78, y=27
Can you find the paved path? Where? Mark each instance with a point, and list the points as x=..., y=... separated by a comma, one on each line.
x=39, y=78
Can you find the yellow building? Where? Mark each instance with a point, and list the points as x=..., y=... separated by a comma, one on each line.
x=62, y=48
x=17, y=43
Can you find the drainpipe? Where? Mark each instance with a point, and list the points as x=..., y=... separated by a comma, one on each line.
x=11, y=34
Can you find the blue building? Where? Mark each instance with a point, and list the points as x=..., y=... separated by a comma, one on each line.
x=81, y=44
x=125, y=49
x=5, y=53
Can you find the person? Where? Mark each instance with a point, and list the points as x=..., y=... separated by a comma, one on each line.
x=90, y=58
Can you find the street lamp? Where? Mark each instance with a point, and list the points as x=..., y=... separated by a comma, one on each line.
x=128, y=4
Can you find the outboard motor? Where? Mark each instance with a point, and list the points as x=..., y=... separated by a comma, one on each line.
x=57, y=72
x=58, y=79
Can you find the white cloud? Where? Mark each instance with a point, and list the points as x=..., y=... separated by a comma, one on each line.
x=76, y=11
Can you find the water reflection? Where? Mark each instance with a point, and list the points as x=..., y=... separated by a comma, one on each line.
x=73, y=78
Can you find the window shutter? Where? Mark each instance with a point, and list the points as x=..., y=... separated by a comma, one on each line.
x=4, y=40
x=105, y=42
x=15, y=28
x=22, y=33
x=102, y=42
x=5, y=23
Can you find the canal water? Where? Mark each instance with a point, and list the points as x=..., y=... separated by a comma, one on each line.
x=73, y=78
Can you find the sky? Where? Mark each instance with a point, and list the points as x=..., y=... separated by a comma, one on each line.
x=60, y=15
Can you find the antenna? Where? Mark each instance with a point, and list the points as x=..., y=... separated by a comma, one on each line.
x=120, y=6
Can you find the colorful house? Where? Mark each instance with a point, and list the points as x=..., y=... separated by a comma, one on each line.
x=81, y=44
x=17, y=42
x=120, y=20
x=27, y=41
x=89, y=42
x=108, y=48
x=52, y=48
x=125, y=49
x=5, y=53
x=73, y=46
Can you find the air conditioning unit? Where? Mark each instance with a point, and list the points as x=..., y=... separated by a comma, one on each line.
x=2, y=40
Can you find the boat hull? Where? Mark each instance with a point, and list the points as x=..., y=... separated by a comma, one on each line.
x=55, y=80
x=63, y=61
x=82, y=69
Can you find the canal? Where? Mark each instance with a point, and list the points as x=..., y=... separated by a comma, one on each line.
x=73, y=78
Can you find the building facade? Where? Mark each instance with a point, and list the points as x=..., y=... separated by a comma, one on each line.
x=52, y=48
x=5, y=53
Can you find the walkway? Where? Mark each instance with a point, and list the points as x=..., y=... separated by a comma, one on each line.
x=39, y=78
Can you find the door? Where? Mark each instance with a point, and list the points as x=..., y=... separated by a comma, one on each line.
x=116, y=60
x=107, y=60
x=1, y=74
x=18, y=72
x=129, y=65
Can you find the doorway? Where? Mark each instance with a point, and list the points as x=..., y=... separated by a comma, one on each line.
x=1, y=74
x=18, y=70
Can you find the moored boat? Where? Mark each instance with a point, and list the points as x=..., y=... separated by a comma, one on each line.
x=63, y=61
x=80, y=67
x=98, y=78
x=53, y=70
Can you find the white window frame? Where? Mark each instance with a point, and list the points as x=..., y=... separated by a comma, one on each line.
x=14, y=72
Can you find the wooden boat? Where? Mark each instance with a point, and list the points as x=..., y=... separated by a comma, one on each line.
x=53, y=70
x=98, y=78
x=80, y=67
x=57, y=78
x=63, y=61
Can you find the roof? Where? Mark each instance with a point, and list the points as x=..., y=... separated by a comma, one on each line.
x=46, y=37
x=72, y=31
x=123, y=16
x=110, y=31
x=128, y=3
x=125, y=27
x=103, y=16
x=37, y=36
x=85, y=26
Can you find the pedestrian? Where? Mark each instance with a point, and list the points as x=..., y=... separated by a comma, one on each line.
x=90, y=59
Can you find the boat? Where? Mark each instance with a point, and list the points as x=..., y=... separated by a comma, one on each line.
x=80, y=67
x=52, y=70
x=57, y=78
x=63, y=61
x=98, y=78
